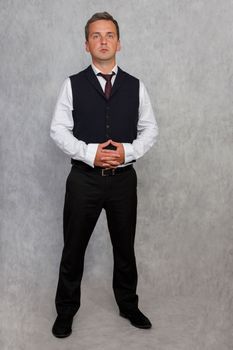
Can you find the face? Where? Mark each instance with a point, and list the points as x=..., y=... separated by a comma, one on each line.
x=102, y=41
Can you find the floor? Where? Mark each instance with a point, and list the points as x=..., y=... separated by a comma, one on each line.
x=179, y=323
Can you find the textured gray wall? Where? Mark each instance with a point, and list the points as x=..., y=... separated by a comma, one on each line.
x=183, y=51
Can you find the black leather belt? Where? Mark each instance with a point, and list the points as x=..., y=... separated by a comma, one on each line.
x=100, y=171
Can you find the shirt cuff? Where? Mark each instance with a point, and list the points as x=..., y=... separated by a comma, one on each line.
x=129, y=152
x=91, y=153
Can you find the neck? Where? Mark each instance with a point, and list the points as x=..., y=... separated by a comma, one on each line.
x=104, y=66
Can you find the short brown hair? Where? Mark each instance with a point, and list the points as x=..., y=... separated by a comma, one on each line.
x=98, y=16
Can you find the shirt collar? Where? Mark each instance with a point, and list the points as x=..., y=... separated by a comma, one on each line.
x=96, y=70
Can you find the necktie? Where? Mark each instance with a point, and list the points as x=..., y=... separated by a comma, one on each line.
x=108, y=85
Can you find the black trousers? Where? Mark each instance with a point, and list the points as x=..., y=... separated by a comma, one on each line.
x=87, y=193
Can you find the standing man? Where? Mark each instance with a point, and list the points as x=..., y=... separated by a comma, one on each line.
x=104, y=121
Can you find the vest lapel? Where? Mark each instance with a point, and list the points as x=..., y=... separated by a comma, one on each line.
x=94, y=80
x=118, y=81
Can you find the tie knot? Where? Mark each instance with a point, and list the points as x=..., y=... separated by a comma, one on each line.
x=107, y=77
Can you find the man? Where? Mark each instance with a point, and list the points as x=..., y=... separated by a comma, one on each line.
x=104, y=121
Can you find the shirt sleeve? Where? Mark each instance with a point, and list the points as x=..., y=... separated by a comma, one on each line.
x=147, y=128
x=62, y=125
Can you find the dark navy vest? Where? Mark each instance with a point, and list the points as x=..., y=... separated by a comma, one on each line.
x=97, y=119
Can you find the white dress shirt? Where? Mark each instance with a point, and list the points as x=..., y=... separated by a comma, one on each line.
x=62, y=125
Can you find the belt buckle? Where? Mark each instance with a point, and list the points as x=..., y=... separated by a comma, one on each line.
x=108, y=172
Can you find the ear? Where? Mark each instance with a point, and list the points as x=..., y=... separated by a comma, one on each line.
x=87, y=46
x=118, y=45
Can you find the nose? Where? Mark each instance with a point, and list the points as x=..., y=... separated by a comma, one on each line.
x=103, y=40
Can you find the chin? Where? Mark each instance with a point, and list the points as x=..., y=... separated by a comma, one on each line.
x=104, y=57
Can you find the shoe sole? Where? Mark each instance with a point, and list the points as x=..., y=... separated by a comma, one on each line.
x=61, y=335
x=135, y=324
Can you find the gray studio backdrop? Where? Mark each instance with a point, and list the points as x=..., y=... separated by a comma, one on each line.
x=183, y=52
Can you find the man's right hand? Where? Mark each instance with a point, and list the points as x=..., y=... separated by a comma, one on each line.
x=111, y=157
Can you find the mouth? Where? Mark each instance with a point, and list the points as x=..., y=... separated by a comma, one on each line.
x=103, y=50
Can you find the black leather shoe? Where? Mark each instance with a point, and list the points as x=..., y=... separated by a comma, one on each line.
x=137, y=318
x=62, y=326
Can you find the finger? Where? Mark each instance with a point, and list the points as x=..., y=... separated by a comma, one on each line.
x=113, y=163
x=105, y=143
x=108, y=157
x=108, y=165
x=110, y=152
x=114, y=143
